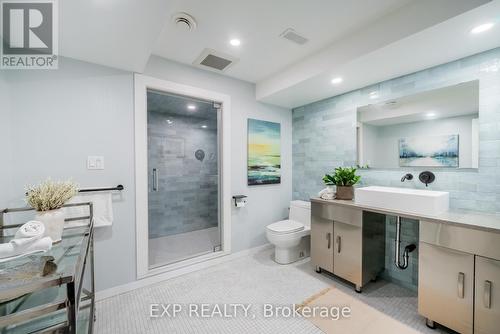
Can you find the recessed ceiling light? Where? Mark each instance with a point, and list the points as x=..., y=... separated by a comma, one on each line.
x=204, y=126
x=337, y=80
x=430, y=114
x=169, y=121
x=191, y=107
x=373, y=95
x=482, y=28
x=235, y=42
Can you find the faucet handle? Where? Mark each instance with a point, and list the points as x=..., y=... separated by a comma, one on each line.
x=427, y=177
x=407, y=176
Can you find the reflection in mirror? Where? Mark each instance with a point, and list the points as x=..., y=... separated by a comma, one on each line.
x=437, y=128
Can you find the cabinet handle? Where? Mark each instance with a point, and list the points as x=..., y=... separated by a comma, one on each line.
x=339, y=240
x=461, y=278
x=329, y=238
x=487, y=294
x=155, y=179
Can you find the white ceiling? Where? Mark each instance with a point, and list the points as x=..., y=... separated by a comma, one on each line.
x=115, y=33
x=364, y=41
x=441, y=42
x=258, y=24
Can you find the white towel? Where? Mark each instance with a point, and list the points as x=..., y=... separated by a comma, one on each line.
x=326, y=194
x=29, y=232
x=27, y=240
x=102, y=206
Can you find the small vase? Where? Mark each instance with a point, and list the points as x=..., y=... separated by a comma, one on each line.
x=345, y=192
x=54, y=223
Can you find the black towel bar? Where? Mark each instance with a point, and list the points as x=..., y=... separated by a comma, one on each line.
x=118, y=187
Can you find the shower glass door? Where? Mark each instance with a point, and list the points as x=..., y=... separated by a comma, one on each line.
x=183, y=178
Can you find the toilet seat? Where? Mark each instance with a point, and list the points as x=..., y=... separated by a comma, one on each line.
x=285, y=227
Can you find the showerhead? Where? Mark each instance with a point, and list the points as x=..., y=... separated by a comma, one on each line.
x=199, y=155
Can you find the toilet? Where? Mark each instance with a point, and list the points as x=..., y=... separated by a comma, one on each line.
x=291, y=237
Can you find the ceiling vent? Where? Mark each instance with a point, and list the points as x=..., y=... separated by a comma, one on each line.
x=214, y=60
x=184, y=21
x=293, y=36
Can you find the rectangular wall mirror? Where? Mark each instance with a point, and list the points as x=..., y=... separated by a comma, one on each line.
x=433, y=129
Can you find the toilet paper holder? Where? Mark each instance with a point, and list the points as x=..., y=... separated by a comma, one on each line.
x=240, y=200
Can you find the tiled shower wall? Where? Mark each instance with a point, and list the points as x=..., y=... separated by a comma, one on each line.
x=324, y=137
x=187, y=198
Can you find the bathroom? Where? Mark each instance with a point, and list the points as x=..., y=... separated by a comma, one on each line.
x=206, y=138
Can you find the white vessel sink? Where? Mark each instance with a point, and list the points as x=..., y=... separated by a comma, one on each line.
x=425, y=202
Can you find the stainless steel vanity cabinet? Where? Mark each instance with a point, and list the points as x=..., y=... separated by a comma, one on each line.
x=446, y=287
x=459, y=277
x=487, y=301
x=322, y=243
x=347, y=255
x=337, y=241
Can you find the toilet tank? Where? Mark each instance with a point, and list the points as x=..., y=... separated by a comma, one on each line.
x=300, y=211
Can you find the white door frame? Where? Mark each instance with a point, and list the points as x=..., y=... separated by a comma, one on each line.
x=142, y=83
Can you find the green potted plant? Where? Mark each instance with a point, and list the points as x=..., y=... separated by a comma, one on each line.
x=344, y=178
x=47, y=198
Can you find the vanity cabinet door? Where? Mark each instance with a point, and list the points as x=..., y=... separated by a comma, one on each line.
x=347, y=253
x=487, y=301
x=322, y=243
x=446, y=287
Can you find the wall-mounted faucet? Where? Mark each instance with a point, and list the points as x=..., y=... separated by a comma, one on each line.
x=427, y=177
x=408, y=177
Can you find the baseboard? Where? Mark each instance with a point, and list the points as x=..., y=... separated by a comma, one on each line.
x=117, y=290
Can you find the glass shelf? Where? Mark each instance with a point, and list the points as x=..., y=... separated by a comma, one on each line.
x=43, y=291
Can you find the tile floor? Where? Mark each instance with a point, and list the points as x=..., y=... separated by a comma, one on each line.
x=255, y=280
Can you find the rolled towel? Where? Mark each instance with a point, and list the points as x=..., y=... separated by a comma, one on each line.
x=10, y=251
x=32, y=229
x=27, y=240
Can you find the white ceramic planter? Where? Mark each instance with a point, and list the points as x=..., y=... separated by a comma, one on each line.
x=54, y=223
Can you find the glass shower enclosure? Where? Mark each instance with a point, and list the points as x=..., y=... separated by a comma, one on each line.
x=183, y=178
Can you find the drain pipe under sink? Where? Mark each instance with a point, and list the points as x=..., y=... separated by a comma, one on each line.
x=397, y=243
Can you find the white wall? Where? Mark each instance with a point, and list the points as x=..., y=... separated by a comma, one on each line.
x=60, y=117
x=384, y=140
x=266, y=203
x=5, y=142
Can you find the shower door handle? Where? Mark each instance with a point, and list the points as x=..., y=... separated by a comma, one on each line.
x=155, y=179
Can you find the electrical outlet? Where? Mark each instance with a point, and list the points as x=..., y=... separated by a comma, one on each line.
x=95, y=162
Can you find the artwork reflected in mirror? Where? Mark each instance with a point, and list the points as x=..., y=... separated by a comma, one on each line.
x=437, y=128
x=430, y=151
x=264, y=152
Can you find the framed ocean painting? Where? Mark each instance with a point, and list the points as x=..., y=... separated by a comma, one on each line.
x=264, y=152
x=429, y=151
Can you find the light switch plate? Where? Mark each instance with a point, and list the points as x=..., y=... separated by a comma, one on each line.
x=95, y=162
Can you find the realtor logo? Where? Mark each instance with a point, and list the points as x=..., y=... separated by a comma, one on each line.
x=29, y=34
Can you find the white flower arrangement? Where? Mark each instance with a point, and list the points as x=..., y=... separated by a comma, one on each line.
x=50, y=195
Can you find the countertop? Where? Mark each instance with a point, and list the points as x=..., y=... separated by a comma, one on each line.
x=462, y=218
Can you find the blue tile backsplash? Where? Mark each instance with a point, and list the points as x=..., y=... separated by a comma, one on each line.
x=324, y=137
